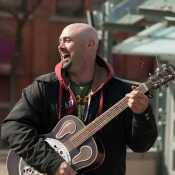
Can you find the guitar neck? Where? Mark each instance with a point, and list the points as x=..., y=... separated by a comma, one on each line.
x=103, y=119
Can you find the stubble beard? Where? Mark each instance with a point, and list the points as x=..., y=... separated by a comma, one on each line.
x=66, y=63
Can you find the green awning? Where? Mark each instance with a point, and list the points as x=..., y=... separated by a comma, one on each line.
x=158, y=39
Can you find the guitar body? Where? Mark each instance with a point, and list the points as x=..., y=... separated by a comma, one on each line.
x=61, y=139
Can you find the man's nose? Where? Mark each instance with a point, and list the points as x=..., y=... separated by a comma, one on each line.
x=61, y=45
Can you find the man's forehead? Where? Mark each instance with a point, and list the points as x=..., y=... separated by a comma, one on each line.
x=68, y=32
x=78, y=31
x=76, y=28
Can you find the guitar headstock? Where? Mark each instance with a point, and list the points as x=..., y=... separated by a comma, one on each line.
x=162, y=76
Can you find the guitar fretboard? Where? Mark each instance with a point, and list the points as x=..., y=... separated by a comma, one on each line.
x=103, y=119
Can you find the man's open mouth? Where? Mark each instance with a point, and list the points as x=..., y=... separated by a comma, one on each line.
x=64, y=56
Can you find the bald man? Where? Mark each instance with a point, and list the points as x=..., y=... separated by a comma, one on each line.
x=81, y=85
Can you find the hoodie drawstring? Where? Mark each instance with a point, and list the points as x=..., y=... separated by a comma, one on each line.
x=101, y=103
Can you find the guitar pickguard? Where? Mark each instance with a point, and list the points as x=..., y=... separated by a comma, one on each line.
x=60, y=149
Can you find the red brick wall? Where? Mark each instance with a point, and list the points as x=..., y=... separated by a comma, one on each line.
x=136, y=68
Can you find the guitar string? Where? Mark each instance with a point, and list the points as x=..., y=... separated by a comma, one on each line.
x=79, y=138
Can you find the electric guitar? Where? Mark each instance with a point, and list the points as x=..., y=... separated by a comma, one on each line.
x=74, y=141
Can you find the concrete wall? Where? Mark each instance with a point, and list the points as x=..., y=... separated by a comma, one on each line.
x=143, y=164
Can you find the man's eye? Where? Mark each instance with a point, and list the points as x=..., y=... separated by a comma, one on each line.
x=64, y=40
x=68, y=40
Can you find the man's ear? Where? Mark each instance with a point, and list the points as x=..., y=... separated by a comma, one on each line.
x=91, y=43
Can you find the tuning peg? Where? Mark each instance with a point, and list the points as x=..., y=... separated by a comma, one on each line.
x=172, y=69
x=150, y=76
x=157, y=69
x=164, y=66
x=170, y=77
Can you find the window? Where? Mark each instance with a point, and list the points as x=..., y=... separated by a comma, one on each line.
x=96, y=4
x=173, y=160
x=70, y=8
x=7, y=47
x=6, y=50
x=76, y=8
x=17, y=5
x=12, y=3
x=174, y=130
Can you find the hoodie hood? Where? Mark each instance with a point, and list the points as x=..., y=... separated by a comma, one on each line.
x=103, y=73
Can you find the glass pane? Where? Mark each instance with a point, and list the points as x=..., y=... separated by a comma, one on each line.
x=15, y=3
x=173, y=160
x=7, y=47
x=174, y=130
x=96, y=4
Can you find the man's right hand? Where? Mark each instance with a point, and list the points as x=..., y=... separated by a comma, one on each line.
x=65, y=169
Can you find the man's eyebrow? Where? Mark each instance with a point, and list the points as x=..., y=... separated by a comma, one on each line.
x=65, y=38
x=68, y=37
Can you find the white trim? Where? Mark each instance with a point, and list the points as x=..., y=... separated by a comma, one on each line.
x=127, y=81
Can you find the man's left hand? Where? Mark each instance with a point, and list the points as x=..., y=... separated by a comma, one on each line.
x=137, y=101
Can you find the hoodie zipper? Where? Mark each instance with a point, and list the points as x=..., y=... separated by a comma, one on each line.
x=86, y=112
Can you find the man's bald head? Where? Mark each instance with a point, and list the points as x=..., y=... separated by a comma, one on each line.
x=83, y=31
x=78, y=44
